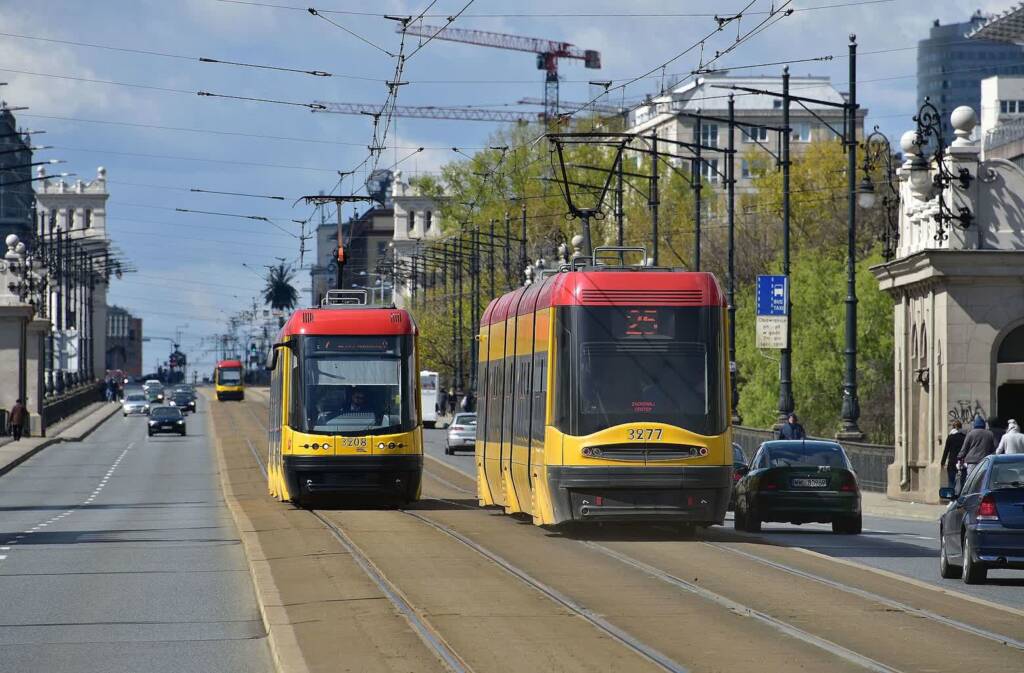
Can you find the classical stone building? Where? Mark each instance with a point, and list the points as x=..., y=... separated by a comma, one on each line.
x=958, y=283
x=417, y=221
x=124, y=342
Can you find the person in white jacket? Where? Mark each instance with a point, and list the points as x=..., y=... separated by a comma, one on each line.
x=1012, y=441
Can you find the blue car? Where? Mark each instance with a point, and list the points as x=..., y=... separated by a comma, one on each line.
x=983, y=527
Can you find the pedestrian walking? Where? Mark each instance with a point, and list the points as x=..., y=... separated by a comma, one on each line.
x=108, y=389
x=452, y=401
x=792, y=429
x=979, y=443
x=954, y=442
x=1012, y=441
x=17, y=418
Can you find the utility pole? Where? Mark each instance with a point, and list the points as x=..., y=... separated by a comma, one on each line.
x=458, y=299
x=508, y=252
x=786, y=354
x=523, y=259
x=653, y=200
x=698, y=183
x=731, y=292
x=851, y=405
x=490, y=258
x=619, y=208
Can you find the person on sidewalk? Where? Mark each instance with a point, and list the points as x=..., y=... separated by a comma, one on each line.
x=1012, y=441
x=954, y=442
x=17, y=419
x=979, y=443
x=792, y=429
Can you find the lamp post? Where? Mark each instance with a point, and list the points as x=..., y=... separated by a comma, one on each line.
x=878, y=150
x=929, y=129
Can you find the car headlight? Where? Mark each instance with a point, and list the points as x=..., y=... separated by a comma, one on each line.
x=181, y=422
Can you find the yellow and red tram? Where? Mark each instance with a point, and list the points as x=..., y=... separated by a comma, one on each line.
x=604, y=396
x=344, y=404
x=228, y=380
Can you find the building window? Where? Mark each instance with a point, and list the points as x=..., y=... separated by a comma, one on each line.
x=777, y=104
x=745, y=170
x=428, y=220
x=88, y=218
x=754, y=133
x=801, y=132
x=382, y=248
x=709, y=170
x=709, y=135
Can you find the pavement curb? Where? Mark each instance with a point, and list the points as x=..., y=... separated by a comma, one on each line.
x=284, y=645
x=60, y=437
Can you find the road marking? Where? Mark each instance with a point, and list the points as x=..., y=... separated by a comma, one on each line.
x=2, y=557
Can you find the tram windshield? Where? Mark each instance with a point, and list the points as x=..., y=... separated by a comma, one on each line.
x=355, y=384
x=229, y=377
x=650, y=364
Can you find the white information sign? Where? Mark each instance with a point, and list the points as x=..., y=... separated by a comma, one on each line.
x=771, y=331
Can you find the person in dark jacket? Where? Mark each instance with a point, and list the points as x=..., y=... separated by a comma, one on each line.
x=792, y=429
x=978, y=443
x=16, y=419
x=954, y=442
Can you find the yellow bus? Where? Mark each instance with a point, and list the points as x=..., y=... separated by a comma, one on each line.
x=604, y=396
x=227, y=380
x=345, y=404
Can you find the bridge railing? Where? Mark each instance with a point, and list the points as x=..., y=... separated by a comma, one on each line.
x=870, y=461
x=71, y=402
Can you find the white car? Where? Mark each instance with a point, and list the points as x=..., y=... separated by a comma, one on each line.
x=461, y=433
x=150, y=383
x=135, y=404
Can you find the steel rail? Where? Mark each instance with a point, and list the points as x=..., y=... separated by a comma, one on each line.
x=877, y=598
x=426, y=632
x=596, y=620
x=740, y=609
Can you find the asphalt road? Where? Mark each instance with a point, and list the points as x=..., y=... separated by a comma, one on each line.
x=118, y=554
x=907, y=547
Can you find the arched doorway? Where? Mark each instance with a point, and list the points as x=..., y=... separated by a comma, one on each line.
x=1010, y=376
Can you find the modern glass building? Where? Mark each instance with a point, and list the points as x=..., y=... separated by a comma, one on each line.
x=950, y=66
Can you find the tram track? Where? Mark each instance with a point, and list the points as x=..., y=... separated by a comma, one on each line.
x=656, y=570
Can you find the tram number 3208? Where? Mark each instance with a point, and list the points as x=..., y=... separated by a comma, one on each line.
x=644, y=434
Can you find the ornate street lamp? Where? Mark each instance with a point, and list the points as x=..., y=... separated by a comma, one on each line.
x=877, y=150
x=929, y=129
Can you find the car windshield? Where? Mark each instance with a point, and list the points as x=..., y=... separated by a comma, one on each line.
x=737, y=455
x=1007, y=475
x=465, y=419
x=165, y=412
x=807, y=455
x=135, y=398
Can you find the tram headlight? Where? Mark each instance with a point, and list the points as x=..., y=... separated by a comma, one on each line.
x=381, y=445
x=391, y=445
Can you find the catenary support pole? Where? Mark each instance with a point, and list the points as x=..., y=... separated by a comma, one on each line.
x=653, y=200
x=697, y=176
x=731, y=292
x=786, y=354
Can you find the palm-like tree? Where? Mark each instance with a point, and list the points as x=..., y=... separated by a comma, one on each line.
x=279, y=292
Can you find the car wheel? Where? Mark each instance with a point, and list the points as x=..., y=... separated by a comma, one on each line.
x=182, y=433
x=150, y=433
x=738, y=519
x=751, y=520
x=946, y=569
x=974, y=571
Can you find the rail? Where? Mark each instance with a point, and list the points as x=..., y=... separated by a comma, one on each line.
x=71, y=402
x=870, y=461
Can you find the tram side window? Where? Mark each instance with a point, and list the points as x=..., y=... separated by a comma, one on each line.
x=510, y=392
x=540, y=368
x=483, y=402
x=523, y=399
x=294, y=388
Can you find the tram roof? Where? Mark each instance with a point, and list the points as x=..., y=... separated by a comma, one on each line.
x=369, y=321
x=228, y=363
x=620, y=287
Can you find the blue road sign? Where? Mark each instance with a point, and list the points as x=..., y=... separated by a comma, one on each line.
x=772, y=295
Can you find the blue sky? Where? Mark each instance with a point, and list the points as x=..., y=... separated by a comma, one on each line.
x=190, y=266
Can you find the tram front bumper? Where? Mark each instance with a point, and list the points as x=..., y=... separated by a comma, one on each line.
x=685, y=494
x=354, y=474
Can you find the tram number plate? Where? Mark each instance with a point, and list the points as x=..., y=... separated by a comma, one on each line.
x=644, y=434
x=809, y=483
x=357, y=443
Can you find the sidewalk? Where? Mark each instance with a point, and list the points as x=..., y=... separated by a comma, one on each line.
x=71, y=429
x=878, y=504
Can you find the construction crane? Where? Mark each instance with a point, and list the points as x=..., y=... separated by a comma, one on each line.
x=431, y=112
x=604, y=109
x=548, y=52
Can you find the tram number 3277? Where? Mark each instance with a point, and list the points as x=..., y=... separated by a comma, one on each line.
x=644, y=434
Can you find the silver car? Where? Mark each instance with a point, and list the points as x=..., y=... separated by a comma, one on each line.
x=135, y=404
x=461, y=433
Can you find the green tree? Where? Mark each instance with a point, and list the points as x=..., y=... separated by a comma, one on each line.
x=279, y=293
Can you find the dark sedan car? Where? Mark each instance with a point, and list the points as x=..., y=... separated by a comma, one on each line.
x=183, y=401
x=984, y=527
x=166, y=419
x=799, y=481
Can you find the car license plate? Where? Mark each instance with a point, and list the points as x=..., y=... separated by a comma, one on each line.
x=809, y=483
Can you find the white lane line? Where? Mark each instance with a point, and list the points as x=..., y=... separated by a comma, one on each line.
x=2, y=557
x=5, y=549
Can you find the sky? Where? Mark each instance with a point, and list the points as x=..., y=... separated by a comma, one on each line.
x=158, y=140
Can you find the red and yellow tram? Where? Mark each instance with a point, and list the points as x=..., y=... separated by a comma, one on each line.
x=604, y=396
x=344, y=403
